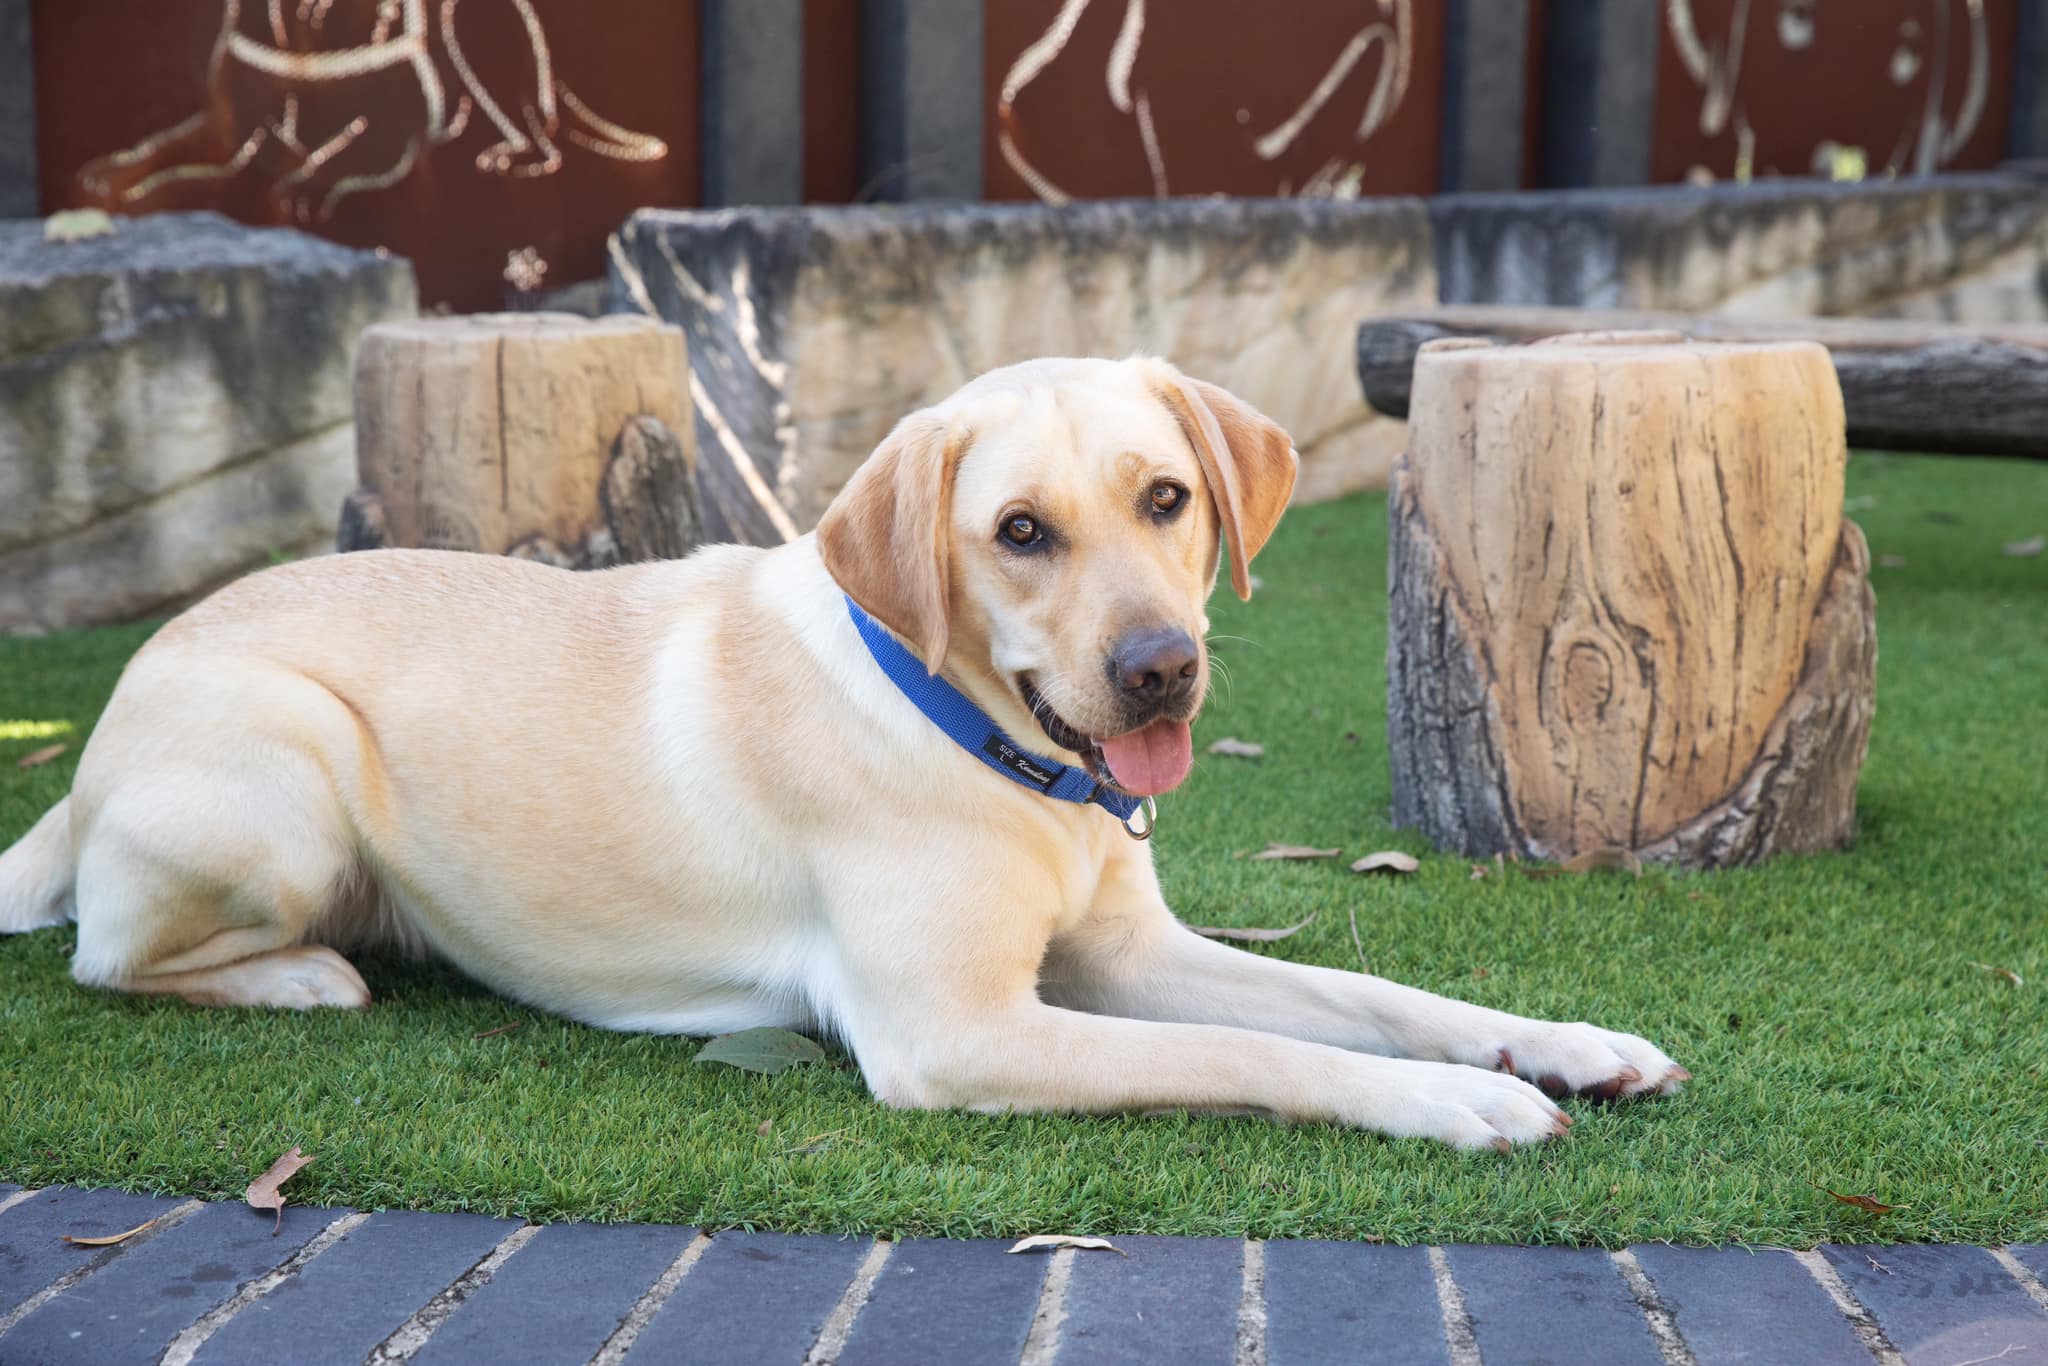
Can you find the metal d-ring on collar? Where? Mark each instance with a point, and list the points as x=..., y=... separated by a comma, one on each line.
x=1151, y=810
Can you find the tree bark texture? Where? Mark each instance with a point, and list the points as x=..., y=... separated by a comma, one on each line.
x=1626, y=609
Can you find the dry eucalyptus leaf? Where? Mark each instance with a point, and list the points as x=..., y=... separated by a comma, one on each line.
x=111, y=1238
x=1249, y=936
x=1295, y=851
x=1056, y=1240
x=2007, y=973
x=265, y=1191
x=1864, y=1202
x=2027, y=549
x=75, y=225
x=36, y=758
x=1386, y=861
x=1236, y=748
x=1605, y=860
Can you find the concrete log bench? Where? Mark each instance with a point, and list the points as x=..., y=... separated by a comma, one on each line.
x=1906, y=385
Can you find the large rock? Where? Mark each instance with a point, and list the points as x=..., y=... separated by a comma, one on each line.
x=812, y=331
x=1956, y=248
x=175, y=408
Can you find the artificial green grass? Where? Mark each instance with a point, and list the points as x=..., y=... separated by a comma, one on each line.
x=1831, y=1008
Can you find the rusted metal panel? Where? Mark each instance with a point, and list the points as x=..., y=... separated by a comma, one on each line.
x=1107, y=98
x=1833, y=87
x=831, y=101
x=494, y=142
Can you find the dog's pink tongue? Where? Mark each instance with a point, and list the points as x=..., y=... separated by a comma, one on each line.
x=1150, y=761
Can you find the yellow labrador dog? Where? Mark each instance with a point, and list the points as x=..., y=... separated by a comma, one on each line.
x=699, y=796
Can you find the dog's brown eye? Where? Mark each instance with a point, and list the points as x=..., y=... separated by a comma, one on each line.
x=1022, y=530
x=1167, y=497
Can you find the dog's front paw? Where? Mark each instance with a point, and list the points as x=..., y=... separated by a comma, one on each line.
x=1467, y=1108
x=1581, y=1059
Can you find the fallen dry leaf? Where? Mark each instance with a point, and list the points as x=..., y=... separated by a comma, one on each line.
x=1249, y=936
x=1605, y=860
x=110, y=1239
x=1295, y=851
x=1236, y=748
x=501, y=1029
x=1862, y=1202
x=1479, y=871
x=1386, y=861
x=2027, y=549
x=1891, y=561
x=265, y=1192
x=767, y=1128
x=765, y=1050
x=1043, y=1240
x=36, y=758
x=2007, y=973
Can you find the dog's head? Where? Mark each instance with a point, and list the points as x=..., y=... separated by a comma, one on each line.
x=1048, y=537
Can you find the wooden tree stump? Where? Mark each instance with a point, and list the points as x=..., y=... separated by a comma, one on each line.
x=543, y=435
x=1626, y=610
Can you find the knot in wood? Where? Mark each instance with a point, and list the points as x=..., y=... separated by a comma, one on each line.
x=1588, y=683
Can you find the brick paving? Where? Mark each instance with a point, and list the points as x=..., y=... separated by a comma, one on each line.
x=210, y=1284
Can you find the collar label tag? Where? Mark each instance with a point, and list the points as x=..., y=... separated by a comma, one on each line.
x=1017, y=761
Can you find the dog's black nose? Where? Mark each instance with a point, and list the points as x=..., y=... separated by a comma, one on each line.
x=1157, y=662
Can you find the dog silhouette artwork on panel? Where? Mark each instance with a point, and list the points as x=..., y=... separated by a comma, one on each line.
x=329, y=98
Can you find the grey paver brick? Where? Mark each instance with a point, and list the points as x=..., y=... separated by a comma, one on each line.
x=129, y=1311
x=33, y=1252
x=358, y=1292
x=1941, y=1305
x=1734, y=1306
x=1328, y=1301
x=1171, y=1299
x=941, y=1300
x=752, y=1297
x=1534, y=1305
x=559, y=1297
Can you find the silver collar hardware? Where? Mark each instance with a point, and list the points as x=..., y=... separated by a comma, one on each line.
x=1151, y=810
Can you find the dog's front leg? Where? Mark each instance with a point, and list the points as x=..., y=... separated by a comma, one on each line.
x=1131, y=957
x=1024, y=1055
x=940, y=1007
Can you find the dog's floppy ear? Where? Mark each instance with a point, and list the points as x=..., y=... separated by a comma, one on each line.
x=1247, y=461
x=884, y=538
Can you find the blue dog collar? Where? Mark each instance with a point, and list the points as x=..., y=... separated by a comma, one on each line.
x=969, y=727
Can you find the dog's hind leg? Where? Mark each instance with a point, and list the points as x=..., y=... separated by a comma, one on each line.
x=214, y=850
x=215, y=923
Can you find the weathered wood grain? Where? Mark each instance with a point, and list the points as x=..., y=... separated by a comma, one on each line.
x=556, y=438
x=1626, y=611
